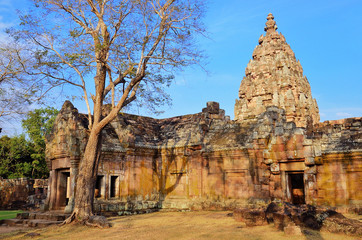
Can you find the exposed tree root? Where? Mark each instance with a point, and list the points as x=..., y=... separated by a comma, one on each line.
x=91, y=221
x=98, y=221
x=69, y=219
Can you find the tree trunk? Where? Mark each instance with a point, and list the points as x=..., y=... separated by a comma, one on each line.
x=83, y=202
x=84, y=188
x=87, y=176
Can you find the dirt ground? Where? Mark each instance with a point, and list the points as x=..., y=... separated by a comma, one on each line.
x=168, y=225
x=6, y=229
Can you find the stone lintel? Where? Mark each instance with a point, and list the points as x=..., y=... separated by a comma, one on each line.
x=61, y=163
x=292, y=166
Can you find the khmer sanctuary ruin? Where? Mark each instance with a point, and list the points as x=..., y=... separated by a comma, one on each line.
x=276, y=149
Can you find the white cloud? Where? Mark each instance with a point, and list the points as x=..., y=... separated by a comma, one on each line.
x=343, y=114
x=6, y=7
x=339, y=113
x=7, y=17
x=4, y=24
x=6, y=3
x=180, y=82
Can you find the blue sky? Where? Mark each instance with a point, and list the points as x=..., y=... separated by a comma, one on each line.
x=325, y=36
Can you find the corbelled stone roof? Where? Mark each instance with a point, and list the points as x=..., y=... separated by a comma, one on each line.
x=210, y=126
x=275, y=78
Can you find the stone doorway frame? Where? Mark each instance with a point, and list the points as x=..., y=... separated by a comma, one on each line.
x=287, y=168
x=295, y=187
x=63, y=192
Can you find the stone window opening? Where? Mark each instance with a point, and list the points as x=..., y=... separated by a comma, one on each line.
x=114, y=187
x=99, y=188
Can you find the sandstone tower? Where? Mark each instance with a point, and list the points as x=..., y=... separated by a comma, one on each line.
x=275, y=78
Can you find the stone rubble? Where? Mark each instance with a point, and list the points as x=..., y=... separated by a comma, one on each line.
x=292, y=219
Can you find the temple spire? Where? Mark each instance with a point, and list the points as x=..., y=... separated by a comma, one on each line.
x=270, y=25
x=274, y=77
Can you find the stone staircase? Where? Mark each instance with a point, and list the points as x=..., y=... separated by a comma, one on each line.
x=35, y=219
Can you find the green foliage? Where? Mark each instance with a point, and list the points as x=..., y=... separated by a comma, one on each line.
x=38, y=124
x=15, y=157
x=20, y=157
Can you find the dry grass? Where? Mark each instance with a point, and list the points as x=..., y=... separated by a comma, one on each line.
x=171, y=225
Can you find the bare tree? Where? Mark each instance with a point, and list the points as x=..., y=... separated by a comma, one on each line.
x=129, y=48
x=15, y=94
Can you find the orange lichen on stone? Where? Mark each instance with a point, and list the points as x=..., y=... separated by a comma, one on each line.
x=339, y=179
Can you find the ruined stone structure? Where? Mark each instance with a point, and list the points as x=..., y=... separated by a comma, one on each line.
x=276, y=149
x=22, y=193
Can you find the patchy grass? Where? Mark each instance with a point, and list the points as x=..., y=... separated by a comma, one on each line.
x=9, y=214
x=171, y=225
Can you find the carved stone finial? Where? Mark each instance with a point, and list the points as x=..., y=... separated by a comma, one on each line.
x=270, y=25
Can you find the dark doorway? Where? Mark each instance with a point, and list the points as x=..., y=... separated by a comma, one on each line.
x=296, y=183
x=113, y=187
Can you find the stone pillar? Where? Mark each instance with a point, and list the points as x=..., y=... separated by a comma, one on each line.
x=74, y=168
x=310, y=181
x=105, y=186
x=50, y=202
x=45, y=205
x=285, y=190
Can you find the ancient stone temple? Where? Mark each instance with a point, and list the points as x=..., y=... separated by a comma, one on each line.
x=275, y=150
x=275, y=78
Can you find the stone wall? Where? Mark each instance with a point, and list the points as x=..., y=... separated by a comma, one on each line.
x=21, y=193
x=175, y=180
x=240, y=169
x=184, y=164
x=339, y=176
x=205, y=161
x=339, y=180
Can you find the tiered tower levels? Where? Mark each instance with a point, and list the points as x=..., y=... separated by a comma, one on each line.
x=275, y=78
